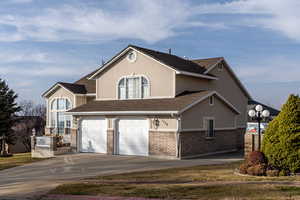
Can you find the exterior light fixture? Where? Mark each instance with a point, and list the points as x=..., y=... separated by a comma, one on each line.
x=156, y=123
x=259, y=114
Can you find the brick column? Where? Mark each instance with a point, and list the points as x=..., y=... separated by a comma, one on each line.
x=53, y=143
x=110, y=142
x=74, y=137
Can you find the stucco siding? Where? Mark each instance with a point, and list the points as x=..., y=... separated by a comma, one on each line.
x=80, y=100
x=160, y=77
x=226, y=85
x=223, y=115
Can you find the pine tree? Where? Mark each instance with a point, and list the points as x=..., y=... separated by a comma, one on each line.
x=281, y=143
x=8, y=109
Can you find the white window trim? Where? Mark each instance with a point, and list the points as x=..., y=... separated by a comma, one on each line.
x=140, y=76
x=55, y=110
x=205, y=126
x=135, y=56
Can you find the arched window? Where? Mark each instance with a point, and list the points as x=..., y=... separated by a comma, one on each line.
x=58, y=119
x=133, y=87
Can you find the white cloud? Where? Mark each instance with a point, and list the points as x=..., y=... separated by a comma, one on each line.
x=278, y=15
x=150, y=21
x=146, y=20
x=44, y=71
x=273, y=69
x=23, y=57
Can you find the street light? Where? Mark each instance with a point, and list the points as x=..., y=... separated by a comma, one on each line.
x=259, y=114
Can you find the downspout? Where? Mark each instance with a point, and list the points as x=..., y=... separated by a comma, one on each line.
x=178, y=143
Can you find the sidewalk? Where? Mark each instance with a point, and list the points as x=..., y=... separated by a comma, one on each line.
x=82, y=197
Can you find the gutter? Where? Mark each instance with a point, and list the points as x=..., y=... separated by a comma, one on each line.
x=122, y=113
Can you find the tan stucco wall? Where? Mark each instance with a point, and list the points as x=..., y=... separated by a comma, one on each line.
x=160, y=77
x=80, y=100
x=223, y=115
x=225, y=85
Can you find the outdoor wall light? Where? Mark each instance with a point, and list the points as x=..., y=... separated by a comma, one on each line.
x=259, y=114
x=156, y=123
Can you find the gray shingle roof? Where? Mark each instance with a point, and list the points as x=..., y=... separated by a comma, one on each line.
x=167, y=104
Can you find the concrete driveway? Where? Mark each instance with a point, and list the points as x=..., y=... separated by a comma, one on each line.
x=32, y=180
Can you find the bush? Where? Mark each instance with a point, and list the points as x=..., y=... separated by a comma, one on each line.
x=272, y=172
x=257, y=170
x=243, y=168
x=255, y=158
x=281, y=143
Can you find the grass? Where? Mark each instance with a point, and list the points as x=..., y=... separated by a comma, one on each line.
x=202, y=182
x=17, y=160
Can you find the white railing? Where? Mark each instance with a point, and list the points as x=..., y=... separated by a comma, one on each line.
x=43, y=141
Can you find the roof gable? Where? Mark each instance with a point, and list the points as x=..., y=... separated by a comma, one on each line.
x=73, y=88
x=174, y=62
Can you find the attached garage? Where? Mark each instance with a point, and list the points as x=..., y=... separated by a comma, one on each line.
x=93, y=137
x=133, y=137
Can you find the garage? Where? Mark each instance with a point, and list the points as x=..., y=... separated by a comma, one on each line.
x=93, y=135
x=133, y=137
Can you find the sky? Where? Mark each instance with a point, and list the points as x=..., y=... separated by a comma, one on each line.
x=43, y=42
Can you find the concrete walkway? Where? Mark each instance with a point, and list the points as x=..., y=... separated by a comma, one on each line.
x=32, y=180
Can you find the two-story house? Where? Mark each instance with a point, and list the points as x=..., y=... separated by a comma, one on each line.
x=149, y=103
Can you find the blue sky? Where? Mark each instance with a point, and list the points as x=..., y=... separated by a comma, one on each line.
x=42, y=42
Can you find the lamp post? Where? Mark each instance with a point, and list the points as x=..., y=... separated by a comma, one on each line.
x=259, y=114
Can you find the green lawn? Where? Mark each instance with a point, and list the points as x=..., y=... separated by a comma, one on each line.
x=17, y=160
x=201, y=182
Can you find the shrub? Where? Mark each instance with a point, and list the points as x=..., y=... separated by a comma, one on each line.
x=257, y=170
x=255, y=158
x=284, y=172
x=243, y=168
x=272, y=172
x=281, y=143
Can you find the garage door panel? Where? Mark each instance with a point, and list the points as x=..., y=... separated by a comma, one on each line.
x=133, y=137
x=94, y=135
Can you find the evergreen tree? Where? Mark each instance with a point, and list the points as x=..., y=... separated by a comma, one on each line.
x=281, y=143
x=8, y=108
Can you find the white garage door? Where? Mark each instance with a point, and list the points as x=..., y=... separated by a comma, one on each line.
x=133, y=137
x=93, y=135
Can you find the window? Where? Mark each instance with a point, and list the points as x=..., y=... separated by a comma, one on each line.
x=210, y=126
x=57, y=117
x=131, y=56
x=135, y=87
x=211, y=100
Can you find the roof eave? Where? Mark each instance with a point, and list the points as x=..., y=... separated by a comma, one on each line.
x=197, y=75
x=123, y=113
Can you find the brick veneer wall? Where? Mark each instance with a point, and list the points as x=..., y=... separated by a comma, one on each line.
x=74, y=136
x=251, y=142
x=162, y=143
x=196, y=143
x=110, y=142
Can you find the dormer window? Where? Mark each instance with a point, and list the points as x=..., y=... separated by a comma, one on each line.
x=133, y=87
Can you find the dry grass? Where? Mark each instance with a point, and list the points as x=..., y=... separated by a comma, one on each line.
x=17, y=160
x=203, y=182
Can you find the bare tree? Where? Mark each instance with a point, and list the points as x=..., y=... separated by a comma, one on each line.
x=32, y=116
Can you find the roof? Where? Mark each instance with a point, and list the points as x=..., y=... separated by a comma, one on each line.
x=178, y=64
x=75, y=88
x=178, y=104
x=253, y=103
x=173, y=61
x=208, y=62
x=89, y=84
